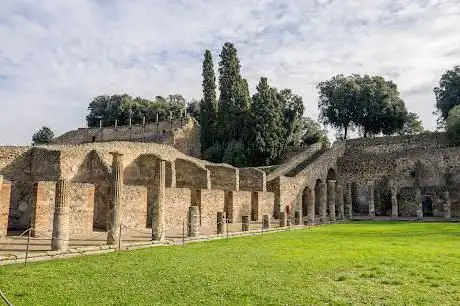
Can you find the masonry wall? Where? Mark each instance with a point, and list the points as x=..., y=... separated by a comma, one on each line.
x=224, y=177
x=5, y=193
x=191, y=175
x=252, y=179
x=210, y=202
x=177, y=203
x=134, y=207
x=81, y=208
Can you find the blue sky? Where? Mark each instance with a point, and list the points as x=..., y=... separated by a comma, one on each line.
x=55, y=56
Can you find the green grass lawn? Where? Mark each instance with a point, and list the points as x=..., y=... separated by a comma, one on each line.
x=356, y=263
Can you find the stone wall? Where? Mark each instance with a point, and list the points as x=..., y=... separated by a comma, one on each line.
x=81, y=208
x=253, y=179
x=43, y=208
x=210, y=202
x=5, y=193
x=134, y=207
x=191, y=175
x=182, y=134
x=224, y=177
x=177, y=203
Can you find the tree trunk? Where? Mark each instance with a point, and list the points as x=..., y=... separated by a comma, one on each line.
x=346, y=132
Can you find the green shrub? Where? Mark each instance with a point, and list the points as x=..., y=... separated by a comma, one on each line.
x=453, y=124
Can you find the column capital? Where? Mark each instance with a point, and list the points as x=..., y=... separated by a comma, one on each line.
x=116, y=153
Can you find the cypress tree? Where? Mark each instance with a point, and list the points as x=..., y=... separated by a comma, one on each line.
x=208, y=106
x=234, y=96
x=267, y=132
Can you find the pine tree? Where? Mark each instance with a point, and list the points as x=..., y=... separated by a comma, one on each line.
x=208, y=106
x=267, y=132
x=234, y=97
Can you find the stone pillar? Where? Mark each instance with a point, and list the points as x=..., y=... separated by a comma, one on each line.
x=220, y=222
x=282, y=218
x=418, y=200
x=297, y=217
x=339, y=201
x=394, y=202
x=4, y=208
x=266, y=222
x=60, y=237
x=349, y=201
x=158, y=209
x=370, y=194
x=116, y=190
x=311, y=206
x=193, y=221
x=323, y=203
x=331, y=199
x=245, y=223
x=447, y=209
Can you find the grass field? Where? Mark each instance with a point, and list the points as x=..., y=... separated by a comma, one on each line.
x=373, y=263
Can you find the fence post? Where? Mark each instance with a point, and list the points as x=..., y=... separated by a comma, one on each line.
x=119, y=238
x=183, y=232
x=27, y=248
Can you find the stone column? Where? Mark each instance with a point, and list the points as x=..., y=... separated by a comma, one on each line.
x=331, y=199
x=394, y=202
x=266, y=222
x=282, y=218
x=220, y=222
x=323, y=203
x=370, y=194
x=339, y=201
x=311, y=206
x=60, y=237
x=447, y=210
x=297, y=217
x=3, y=211
x=158, y=209
x=116, y=190
x=193, y=221
x=245, y=223
x=418, y=200
x=349, y=201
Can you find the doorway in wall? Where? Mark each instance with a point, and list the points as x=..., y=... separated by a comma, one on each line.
x=427, y=205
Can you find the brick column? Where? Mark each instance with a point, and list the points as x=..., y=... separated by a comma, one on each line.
x=447, y=210
x=4, y=207
x=228, y=206
x=282, y=218
x=323, y=203
x=245, y=223
x=339, y=201
x=370, y=194
x=60, y=240
x=418, y=200
x=394, y=202
x=311, y=206
x=349, y=201
x=331, y=199
x=266, y=221
x=116, y=190
x=193, y=221
x=220, y=222
x=254, y=206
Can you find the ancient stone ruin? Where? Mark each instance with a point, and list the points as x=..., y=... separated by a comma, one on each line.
x=73, y=190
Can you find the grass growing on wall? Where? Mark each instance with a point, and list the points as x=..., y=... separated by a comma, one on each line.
x=371, y=263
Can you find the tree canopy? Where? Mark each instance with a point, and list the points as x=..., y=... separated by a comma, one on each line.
x=453, y=124
x=208, y=106
x=312, y=132
x=367, y=103
x=43, y=136
x=448, y=92
x=121, y=107
x=412, y=126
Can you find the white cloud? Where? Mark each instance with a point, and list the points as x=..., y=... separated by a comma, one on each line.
x=56, y=55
